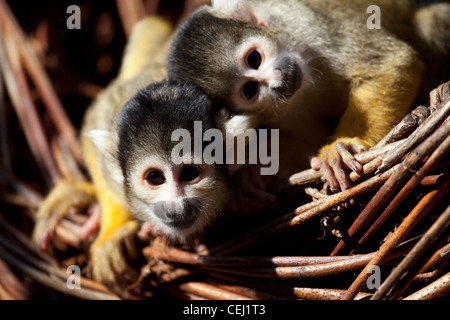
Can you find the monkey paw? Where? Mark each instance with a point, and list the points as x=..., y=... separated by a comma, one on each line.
x=335, y=158
x=109, y=260
x=64, y=196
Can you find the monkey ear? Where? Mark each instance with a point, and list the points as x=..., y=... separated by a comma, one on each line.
x=236, y=9
x=106, y=143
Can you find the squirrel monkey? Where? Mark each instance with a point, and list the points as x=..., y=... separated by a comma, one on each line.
x=313, y=69
x=127, y=142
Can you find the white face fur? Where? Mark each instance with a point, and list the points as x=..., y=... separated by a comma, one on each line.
x=160, y=192
x=177, y=200
x=264, y=79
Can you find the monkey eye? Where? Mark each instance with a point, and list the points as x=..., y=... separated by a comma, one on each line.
x=250, y=89
x=155, y=178
x=189, y=173
x=254, y=59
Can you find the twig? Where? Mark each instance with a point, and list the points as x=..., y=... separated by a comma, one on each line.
x=325, y=294
x=439, y=95
x=51, y=282
x=180, y=256
x=299, y=215
x=396, y=179
x=439, y=256
x=413, y=182
x=17, y=200
x=435, y=290
x=11, y=284
x=65, y=161
x=210, y=292
x=245, y=291
x=19, y=92
x=408, y=123
x=304, y=271
x=419, y=211
x=40, y=267
x=413, y=257
x=42, y=81
x=422, y=132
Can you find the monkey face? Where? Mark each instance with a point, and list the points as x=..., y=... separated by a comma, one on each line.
x=177, y=200
x=266, y=74
x=234, y=61
x=178, y=197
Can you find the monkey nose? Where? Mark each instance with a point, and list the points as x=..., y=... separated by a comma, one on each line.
x=277, y=74
x=181, y=217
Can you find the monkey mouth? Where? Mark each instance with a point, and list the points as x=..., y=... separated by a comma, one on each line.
x=184, y=222
x=183, y=217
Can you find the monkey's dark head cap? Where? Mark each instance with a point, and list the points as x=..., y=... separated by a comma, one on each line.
x=148, y=119
x=202, y=52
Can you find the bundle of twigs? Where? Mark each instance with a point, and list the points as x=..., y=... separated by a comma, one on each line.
x=385, y=238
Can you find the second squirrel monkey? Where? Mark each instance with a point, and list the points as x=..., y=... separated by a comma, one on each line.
x=298, y=64
x=127, y=144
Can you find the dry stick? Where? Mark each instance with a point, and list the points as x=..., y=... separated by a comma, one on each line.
x=435, y=290
x=22, y=248
x=427, y=276
x=413, y=257
x=23, y=242
x=304, y=271
x=15, y=287
x=419, y=211
x=51, y=282
x=413, y=182
x=32, y=197
x=430, y=180
x=437, y=257
x=65, y=162
x=408, y=123
x=42, y=82
x=210, y=292
x=5, y=161
x=299, y=215
x=324, y=294
x=387, y=190
x=180, y=256
x=17, y=200
x=439, y=95
x=245, y=291
x=20, y=95
x=299, y=292
x=130, y=11
x=310, y=175
x=423, y=131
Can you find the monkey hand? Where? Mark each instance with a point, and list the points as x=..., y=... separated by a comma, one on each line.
x=64, y=196
x=109, y=259
x=335, y=158
x=251, y=195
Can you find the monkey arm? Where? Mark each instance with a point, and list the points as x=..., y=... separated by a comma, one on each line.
x=376, y=103
x=116, y=224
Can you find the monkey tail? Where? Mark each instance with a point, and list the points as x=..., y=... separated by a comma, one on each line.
x=149, y=38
